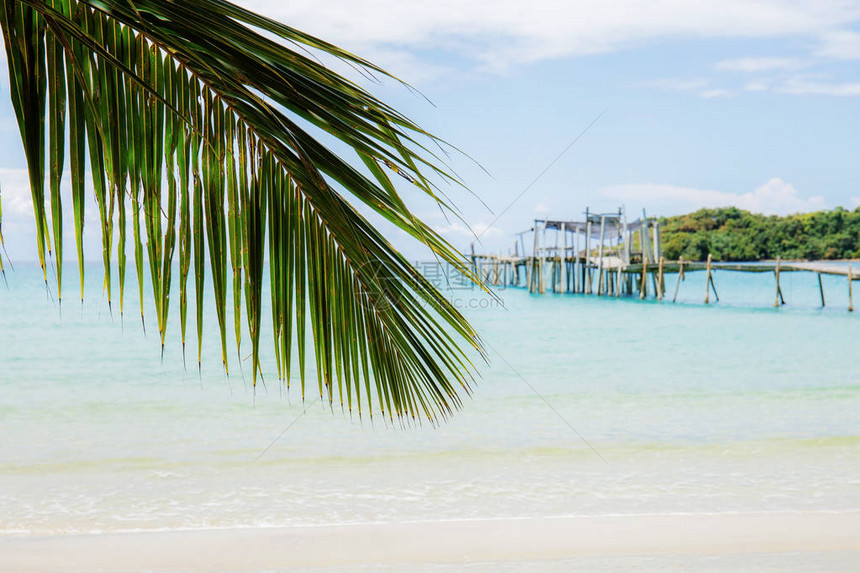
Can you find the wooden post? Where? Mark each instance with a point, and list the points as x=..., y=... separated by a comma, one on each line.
x=776, y=275
x=680, y=278
x=821, y=289
x=577, y=264
x=563, y=258
x=654, y=281
x=581, y=261
x=532, y=277
x=626, y=236
x=538, y=272
x=587, y=274
x=556, y=275
x=708, y=280
x=643, y=289
x=714, y=287
x=645, y=238
x=779, y=299
x=542, y=277
x=600, y=286
x=618, y=280
x=850, y=297
x=660, y=280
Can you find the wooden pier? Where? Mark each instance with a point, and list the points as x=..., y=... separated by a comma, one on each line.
x=605, y=255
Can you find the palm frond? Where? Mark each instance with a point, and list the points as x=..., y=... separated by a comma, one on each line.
x=220, y=103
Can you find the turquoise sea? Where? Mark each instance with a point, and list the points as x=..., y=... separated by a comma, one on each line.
x=731, y=407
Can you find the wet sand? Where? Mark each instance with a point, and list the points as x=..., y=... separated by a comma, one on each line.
x=418, y=545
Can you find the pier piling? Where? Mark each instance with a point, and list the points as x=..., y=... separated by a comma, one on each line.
x=708, y=281
x=821, y=289
x=643, y=289
x=680, y=277
x=779, y=300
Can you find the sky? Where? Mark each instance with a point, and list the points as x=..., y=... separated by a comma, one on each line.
x=665, y=105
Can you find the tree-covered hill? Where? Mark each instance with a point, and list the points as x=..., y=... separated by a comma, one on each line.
x=732, y=234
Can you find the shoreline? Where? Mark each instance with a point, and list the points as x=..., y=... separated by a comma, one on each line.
x=508, y=540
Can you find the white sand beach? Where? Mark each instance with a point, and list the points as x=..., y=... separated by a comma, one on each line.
x=831, y=537
x=744, y=459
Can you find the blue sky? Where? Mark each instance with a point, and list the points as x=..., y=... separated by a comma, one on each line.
x=754, y=104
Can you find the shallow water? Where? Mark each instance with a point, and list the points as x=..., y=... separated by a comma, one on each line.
x=731, y=407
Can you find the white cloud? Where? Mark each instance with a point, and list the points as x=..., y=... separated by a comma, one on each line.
x=15, y=194
x=678, y=84
x=701, y=86
x=400, y=63
x=757, y=85
x=19, y=226
x=775, y=197
x=499, y=33
x=813, y=86
x=804, y=84
x=458, y=229
x=753, y=65
x=715, y=93
x=840, y=44
x=854, y=202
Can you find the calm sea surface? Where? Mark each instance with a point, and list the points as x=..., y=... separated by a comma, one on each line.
x=731, y=407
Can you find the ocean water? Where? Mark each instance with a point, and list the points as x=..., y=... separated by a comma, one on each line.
x=589, y=406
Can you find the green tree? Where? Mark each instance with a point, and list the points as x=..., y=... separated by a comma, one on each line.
x=731, y=234
x=233, y=111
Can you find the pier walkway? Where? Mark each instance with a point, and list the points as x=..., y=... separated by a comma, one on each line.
x=605, y=255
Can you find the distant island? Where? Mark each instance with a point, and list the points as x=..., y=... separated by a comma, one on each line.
x=732, y=234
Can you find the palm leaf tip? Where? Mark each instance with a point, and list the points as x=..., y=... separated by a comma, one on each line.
x=194, y=118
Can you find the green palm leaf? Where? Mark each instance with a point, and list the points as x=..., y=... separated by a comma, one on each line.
x=222, y=105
